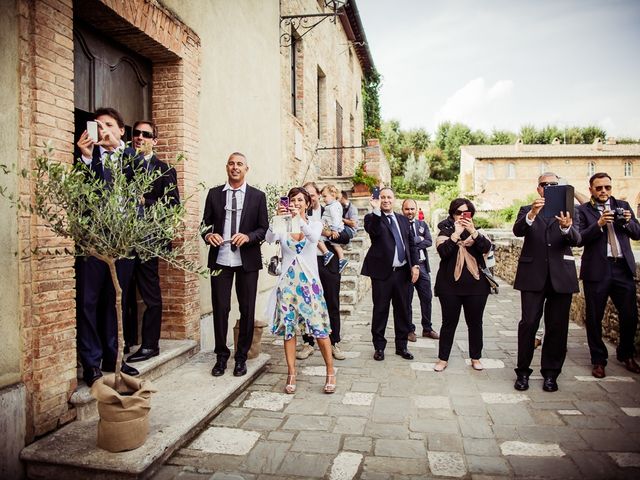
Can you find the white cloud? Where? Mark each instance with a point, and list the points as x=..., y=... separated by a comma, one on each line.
x=477, y=104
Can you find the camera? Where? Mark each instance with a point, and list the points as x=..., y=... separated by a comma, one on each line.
x=618, y=216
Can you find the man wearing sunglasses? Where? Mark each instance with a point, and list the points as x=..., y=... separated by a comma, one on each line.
x=607, y=271
x=546, y=277
x=146, y=278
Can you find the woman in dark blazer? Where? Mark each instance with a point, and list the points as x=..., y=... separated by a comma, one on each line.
x=460, y=282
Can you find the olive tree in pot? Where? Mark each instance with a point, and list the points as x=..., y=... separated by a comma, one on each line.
x=107, y=221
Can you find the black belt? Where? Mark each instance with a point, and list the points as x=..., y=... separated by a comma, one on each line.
x=398, y=268
x=615, y=259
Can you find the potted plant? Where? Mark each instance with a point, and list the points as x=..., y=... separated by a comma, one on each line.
x=107, y=222
x=363, y=183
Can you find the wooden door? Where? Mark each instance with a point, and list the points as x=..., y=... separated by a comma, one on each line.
x=339, y=140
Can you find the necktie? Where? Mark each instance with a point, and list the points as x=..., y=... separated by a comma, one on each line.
x=234, y=217
x=396, y=236
x=611, y=237
x=413, y=228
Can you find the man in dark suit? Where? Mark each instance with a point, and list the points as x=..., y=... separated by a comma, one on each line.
x=392, y=264
x=608, y=268
x=547, y=279
x=236, y=216
x=97, y=325
x=423, y=240
x=146, y=278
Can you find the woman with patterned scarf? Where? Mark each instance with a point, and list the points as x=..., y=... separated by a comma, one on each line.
x=460, y=282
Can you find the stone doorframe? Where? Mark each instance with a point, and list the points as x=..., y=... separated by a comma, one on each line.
x=46, y=114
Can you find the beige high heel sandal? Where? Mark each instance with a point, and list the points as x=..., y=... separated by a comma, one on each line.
x=328, y=386
x=290, y=388
x=440, y=366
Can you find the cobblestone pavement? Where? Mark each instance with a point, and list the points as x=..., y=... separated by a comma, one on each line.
x=399, y=419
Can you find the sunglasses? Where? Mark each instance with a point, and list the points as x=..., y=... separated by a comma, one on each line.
x=137, y=133
x=600, y=188
x=547, y=184
x=462, y=212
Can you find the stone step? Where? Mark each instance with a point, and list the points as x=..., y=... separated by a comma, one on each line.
x=349, y=282
x=354, y=255
x=187, y=398
x=173, y=353
x=353, y=268
x=348, y=297
x=346, y=310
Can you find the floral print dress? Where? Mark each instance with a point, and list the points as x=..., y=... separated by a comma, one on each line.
x=300, y=303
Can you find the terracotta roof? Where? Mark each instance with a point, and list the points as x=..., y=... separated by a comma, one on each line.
x=547, y=151
x=352, y=25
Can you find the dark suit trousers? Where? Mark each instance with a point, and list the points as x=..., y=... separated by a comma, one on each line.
x=97, y=323
x=330, y=280
x=391, y=291
x=246, y=290
x=618, y=285
x=556, y=308
x=451, y=306
x=148, y=281
x=423, y=287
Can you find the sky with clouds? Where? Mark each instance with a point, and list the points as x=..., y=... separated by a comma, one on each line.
x=505, y=63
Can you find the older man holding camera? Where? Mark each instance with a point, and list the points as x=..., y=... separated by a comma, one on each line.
x=608, y=268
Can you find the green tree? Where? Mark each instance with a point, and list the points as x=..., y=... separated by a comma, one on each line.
x=530, y=135
x=371, y=105
x=551, y=132
x=591, y=132
x=502, y=137
x=449, y=139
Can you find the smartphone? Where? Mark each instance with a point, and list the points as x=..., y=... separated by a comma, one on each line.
x=92, y=130
x=375, y=194
x=284, y=201
x=466, y=215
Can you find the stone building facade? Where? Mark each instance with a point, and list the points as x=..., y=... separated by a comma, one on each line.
x=496, y=175
x=321, y=75
x=215, y=83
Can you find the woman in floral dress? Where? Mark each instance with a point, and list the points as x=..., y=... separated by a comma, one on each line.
x=297, y=302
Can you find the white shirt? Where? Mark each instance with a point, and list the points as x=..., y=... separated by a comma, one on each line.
x=226, y=256
x=396, y=260
x=103, y=153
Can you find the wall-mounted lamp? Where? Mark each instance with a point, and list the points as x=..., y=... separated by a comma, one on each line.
x=304, y=23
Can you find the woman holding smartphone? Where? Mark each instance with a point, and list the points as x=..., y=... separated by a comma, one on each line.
x=460, y=282
x=297, y=302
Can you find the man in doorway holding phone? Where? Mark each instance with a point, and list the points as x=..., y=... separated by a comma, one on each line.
x=607, y=270
x=235, y=215
x=97, y=324
x=145, y=277
x=392, y=264
x=546, y=277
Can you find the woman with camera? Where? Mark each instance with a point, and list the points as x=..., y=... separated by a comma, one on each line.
x=460, y=282
x=297, y=302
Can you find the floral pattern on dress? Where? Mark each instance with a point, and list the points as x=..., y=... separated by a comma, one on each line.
x=300, y=303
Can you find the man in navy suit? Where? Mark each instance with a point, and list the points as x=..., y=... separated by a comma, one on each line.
x=97, y=326
x=423, y=240
x=607, y=271
x=392, y=264
x=547, y=279
x=145, y=274
x=236, y=216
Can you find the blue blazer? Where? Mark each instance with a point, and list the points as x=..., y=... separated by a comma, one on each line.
x=594, y=240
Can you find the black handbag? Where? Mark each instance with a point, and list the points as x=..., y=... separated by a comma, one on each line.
x=275, y=265
x=493, y=283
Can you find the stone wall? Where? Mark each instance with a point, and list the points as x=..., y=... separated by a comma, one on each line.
x=507, y=254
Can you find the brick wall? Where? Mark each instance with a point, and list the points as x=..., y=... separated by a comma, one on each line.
x=46, y=114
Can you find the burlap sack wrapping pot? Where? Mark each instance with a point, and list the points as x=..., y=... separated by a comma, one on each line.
x=256, y=345
x=124, y=419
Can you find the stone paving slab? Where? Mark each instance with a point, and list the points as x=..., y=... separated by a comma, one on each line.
x=400, y=420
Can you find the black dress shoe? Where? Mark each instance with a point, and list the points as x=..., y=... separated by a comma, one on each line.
x=143, y=354
x=631, y=365
x=91, y=375
x=129, y=370
x=406, y=354
x=378, y=355
x=550, y=384
x=219, y=368
x=240, y=369
x=522, y=382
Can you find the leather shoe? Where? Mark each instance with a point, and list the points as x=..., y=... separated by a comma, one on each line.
x=240, y=369
x=412, y=337
x=378, y=355
x=598, y=371
x=549, y=384
x=91, y=375
x=522, y=382
x=143, y=354
x=406, y=354
x=129, y=370
x=219, y=368
x=631, y=365
x=430, y=334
